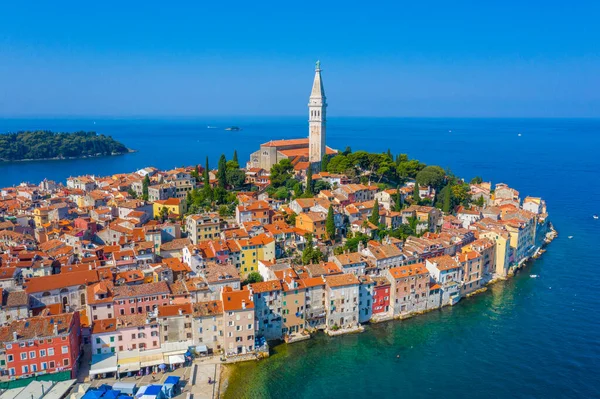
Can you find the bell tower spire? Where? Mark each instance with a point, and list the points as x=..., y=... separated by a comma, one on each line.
x=317, y=105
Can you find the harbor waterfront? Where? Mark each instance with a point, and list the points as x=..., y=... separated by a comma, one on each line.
x=523, y=337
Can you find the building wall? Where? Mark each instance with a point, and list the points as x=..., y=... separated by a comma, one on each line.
x=208, y=330
x=342, y=306
x=238, y=327
x=127, y=306
x=293, y=303
x=142, y=337
x=56, y=353
x=268, y=314
x=315, y=307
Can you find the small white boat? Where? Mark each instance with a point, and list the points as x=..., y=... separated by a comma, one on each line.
x=449, y=131
x=534, y=275
x=595, y=216
x=211, y=127
x=570, y=237
x=519, y=134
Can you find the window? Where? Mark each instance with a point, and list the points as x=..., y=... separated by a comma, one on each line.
x=44, y=365
x=50, y=351
x=66, y=361
x=32, y=355
x=33, y=368
x=8, y=346
x=98, y=340
x=112, y=339
x=65, y=349
x=9, y=358
x=25, y=369
x=24, y=356
x=52, y=364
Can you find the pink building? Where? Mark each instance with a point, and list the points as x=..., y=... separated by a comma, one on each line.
x=137, y=332
x=140, y=299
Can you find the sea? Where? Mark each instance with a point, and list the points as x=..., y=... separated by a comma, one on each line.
x=523, y=338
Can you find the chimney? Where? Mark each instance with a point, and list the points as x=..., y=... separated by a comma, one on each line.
x=55, y=330
x=180, y=311
x=243, y=304
x=15, y=336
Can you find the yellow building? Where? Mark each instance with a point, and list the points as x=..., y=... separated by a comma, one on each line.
x=174, y=205
x=260, y=247
x=312, y=222
x=248, y=257
x=40, y=216
x=501, y=240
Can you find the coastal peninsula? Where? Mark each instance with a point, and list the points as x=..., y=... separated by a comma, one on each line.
x=158, y=267
x=47, y=145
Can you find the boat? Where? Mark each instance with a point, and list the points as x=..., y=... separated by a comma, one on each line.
x=233, y=129
x=211, y=127
x=570, y=237
x=595, y=216
x=519, y=134
x=534, y=275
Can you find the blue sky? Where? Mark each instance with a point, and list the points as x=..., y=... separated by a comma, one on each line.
x=427, y=58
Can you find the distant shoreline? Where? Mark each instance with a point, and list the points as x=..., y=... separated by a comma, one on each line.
x=129, y=151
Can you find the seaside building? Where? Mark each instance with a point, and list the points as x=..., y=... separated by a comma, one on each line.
x=304, y=151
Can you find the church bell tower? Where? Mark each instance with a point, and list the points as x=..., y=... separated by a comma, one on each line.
x=317, y=120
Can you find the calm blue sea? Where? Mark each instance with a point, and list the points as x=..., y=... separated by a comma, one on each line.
x=525, y=338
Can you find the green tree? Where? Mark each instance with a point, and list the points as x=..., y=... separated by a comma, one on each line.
x=324, y=162
x=222, y=171
x=235, y=157
x=310, y=254
x=235, y=177
x=330, y=223
x=131, y=193
x=389, y=154
x=375, y=218
x=164, y=213
x=281, y=172
x=321, y=185
x=447, y=202
x=206, y=176
x=476, y=180
x=145, y=185
x=309, y=182
x=416, y=195
x=432, y=176
x=347, y=151
x=398, y=200
x=253, y=277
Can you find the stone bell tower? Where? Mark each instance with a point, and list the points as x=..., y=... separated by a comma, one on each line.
x=317, y=120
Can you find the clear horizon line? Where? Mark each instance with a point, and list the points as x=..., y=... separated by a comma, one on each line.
x=220, y=116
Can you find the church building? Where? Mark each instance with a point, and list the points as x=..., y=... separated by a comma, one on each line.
x=305, y=151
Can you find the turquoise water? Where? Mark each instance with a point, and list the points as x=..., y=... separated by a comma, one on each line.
x=523, y=338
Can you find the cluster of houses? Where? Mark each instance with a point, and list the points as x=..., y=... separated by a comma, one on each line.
x=140, y=282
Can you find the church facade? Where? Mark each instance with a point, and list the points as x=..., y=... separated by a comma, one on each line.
x=303, y=152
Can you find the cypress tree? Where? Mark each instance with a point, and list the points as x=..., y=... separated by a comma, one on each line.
x=375, y=215
x=222, y=171
x=397, y=205
x=416, y=196
x=447, y=200
x=389, y=154
x=206, y=176
x=145, y=185
x=324, y=162
x=309, y=181
x=330, y=223
x=235, y=157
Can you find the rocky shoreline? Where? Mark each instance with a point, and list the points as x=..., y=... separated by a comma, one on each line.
x=129, y=151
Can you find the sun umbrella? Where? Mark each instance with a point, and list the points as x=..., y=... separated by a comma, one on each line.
x=162, y=366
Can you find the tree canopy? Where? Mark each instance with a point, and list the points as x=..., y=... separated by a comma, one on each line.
x=281, y=172
x=432, y=176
